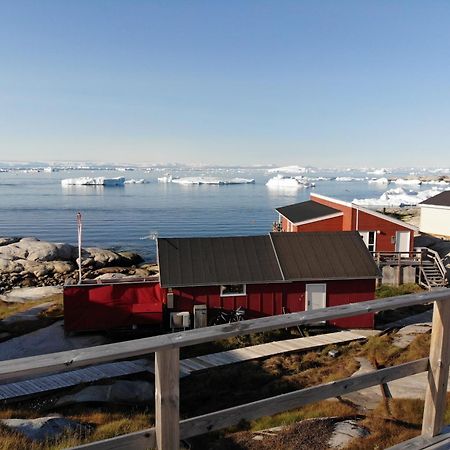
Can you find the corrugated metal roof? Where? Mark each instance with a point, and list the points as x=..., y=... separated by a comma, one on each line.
x=324, y=256
x=309, y=210
x=214, y=261
x=217, y=260
x=442, y=199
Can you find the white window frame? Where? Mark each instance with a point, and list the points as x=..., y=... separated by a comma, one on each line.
x=233, y=294
x=374, y=239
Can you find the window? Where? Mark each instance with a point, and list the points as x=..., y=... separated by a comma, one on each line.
x=229, y=290
x=369, y=238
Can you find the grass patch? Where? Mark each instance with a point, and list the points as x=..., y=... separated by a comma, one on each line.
x=387, y=290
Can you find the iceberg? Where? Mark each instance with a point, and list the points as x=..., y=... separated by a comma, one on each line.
x=167, y=178
x=398, y=197
x=284, y=181
x=133, y=181
x=382, y=180
x=93, y=181
x=377, y=172
x=349, y=179
x=408, y=181
x=210, y=180
x=289, y=169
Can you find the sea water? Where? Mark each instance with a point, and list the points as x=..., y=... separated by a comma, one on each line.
x=129, y=217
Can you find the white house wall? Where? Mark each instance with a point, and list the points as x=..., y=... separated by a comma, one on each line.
x=435, y=220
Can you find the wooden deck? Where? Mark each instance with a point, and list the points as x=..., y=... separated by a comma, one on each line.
x=40, y=385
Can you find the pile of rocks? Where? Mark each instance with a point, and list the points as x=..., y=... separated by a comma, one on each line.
x=28, y=261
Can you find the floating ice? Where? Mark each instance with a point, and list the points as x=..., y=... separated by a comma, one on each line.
x=93, y=181
x=167, y=178
x=133, y=181
x=349, y=179
x=382, y=180
x=408, y=181
x=398, y=197
x=283, y=181
x=210, y=180
x=289, y=169
x=378, y=172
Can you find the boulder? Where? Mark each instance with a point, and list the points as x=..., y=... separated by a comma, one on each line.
x=8, y=240
x=121, y=391
x=345, y=431
x=102, y=257
x=45, y=428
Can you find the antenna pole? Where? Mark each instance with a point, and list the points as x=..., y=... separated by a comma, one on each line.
x=79, y=230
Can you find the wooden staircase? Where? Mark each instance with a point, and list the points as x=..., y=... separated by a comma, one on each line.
x=432, y=272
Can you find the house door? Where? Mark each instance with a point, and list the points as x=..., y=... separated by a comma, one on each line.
x=316, y=296
x=402, y=240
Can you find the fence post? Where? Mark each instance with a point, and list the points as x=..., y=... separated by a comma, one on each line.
x=167, y=397
x=436, y=394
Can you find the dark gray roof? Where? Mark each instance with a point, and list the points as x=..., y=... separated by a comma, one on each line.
x=214, y=261
x=217, y=260
x=442, y=199
x=324, y=255
x=299, y=212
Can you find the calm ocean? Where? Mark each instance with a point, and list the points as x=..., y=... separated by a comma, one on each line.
x=35, y=204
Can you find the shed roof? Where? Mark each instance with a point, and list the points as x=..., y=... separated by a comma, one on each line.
x=278, y=257
x=442, y=199
x=309, y=210
x=204, y=261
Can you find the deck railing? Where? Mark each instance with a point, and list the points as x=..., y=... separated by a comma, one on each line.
x=169, y=429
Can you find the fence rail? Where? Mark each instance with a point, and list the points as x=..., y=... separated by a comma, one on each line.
x=169, y=429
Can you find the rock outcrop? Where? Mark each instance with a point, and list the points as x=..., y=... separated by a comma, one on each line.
x=28, y=261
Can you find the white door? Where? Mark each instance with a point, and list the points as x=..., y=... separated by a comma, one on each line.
x=316, y=296
x=402, y=240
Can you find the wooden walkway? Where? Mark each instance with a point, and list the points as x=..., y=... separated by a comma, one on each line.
x=37, y=386
x=265, y=350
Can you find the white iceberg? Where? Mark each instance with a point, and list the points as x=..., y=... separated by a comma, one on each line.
x=398, y=197
x=93, y=181
x=346, y=179
x=382, y=180
x=133, y=181
x=289, y=169
x=167, y=178
x=284, y=181
x=408, y=181
x=378, y=172
x=211, y=181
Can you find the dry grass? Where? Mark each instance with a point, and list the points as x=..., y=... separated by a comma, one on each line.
x=386, y=290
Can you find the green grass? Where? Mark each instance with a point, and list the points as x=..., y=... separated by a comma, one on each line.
x=387, y=290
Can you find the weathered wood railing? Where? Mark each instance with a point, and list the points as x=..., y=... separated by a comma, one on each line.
x=169, y=429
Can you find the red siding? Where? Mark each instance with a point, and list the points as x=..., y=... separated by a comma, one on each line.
x=332, y=224
x=270, y=299
x=107, y=306
x=348, y=220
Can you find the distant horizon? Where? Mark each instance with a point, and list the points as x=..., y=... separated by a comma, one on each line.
x=144, y=164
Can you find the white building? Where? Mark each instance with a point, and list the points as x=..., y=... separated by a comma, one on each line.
x=435, y=215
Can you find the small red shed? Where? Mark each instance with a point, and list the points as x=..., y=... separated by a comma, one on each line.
x=381, y=233
x=266, y=275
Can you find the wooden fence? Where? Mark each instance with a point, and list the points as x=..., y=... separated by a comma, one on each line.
x=169, y=429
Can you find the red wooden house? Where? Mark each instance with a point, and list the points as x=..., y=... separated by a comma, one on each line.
x=381, y=233
x=266, y=275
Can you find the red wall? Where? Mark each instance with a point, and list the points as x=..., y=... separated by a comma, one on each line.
x=269, y=299
x=348, y=220
x=107, y=306
x=332, y=224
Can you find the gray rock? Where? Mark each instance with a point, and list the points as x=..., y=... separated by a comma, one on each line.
x=44, y=428
x=102, y=257
x=121, y=391
x=9, y=240
x=345, y=431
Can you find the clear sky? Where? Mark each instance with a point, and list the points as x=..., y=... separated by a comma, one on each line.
x=329, y=83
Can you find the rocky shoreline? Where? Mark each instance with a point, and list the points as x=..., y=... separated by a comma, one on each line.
x=28, y=262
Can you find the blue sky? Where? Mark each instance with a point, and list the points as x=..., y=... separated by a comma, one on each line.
x=226, y=82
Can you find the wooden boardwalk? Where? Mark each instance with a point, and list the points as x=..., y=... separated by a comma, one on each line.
x=265, y=350
x=37, y=386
